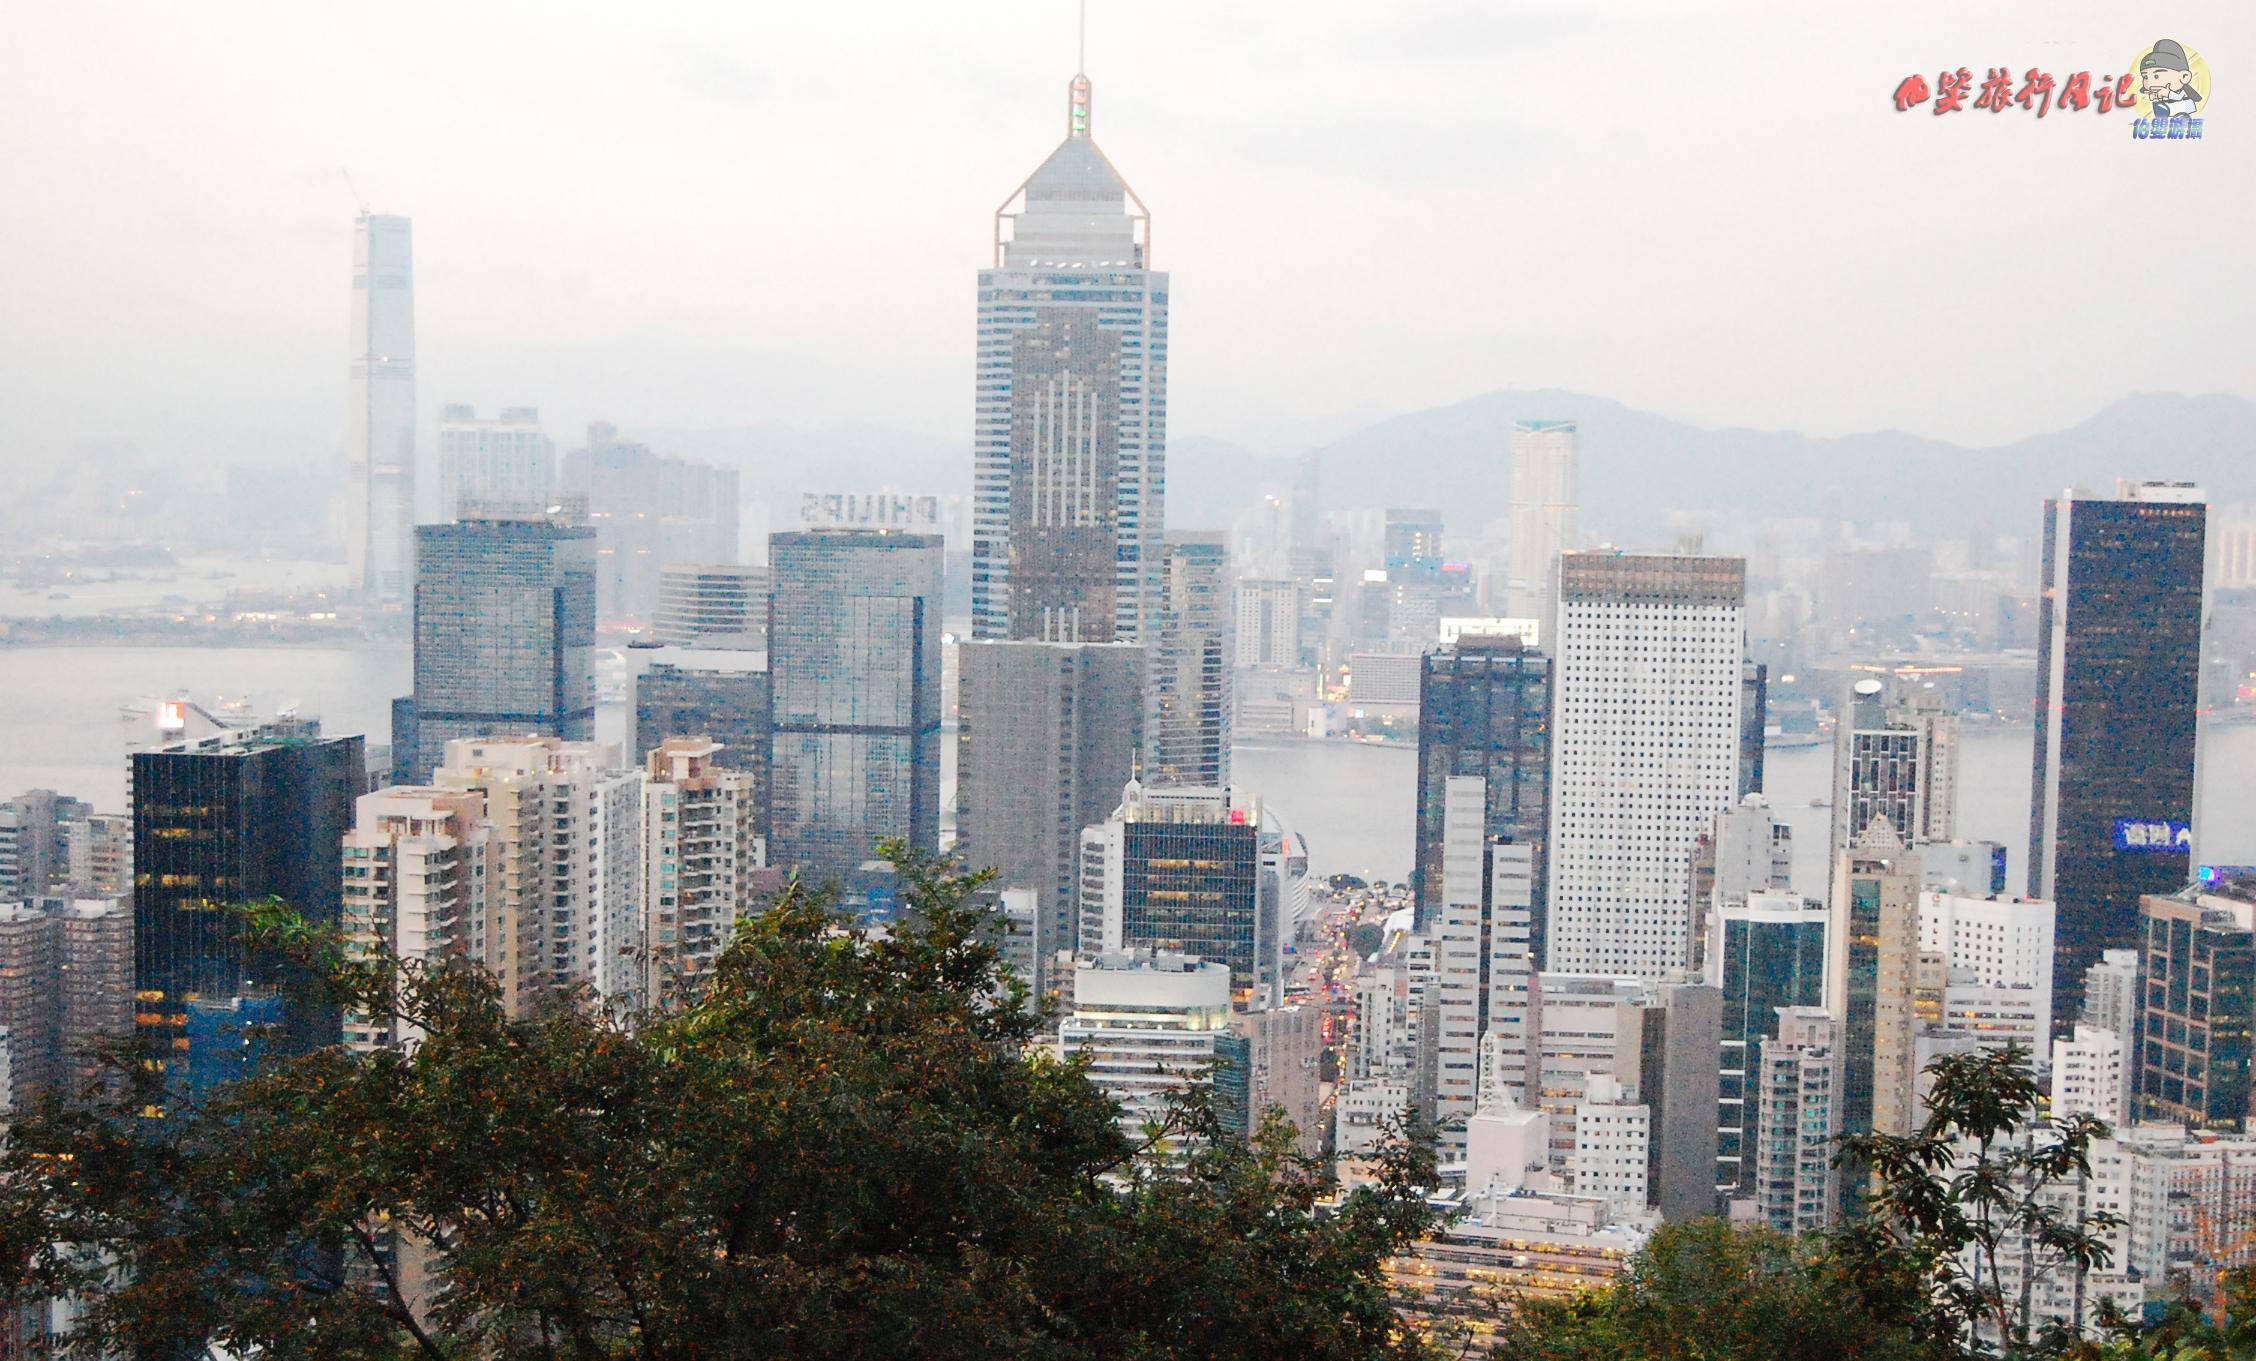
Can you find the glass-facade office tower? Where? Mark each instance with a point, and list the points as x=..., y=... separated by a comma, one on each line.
x=245, y=815
x=2198, y=979
x=1070, y=439
x=2118, y=668
x=854, y=670
x=380, y=412
x=1187, y=713
x=1546, y=507
x=1046, y=736
x=1768, y=951
x=1646, y=686
x=684, y=692
x=1484, y=708
x=1895, y=755
x=504, y=637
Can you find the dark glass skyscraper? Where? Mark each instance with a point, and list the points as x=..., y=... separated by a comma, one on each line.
x=854, y=667
x=504, y=637
x=2118, y=667
x=247, y=815
x=2197, y=976
x=1484, y=708
x=1769, y=953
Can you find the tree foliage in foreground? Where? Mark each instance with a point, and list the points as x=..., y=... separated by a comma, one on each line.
x=842, y=1147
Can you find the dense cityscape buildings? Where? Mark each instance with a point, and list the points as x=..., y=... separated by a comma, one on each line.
x=1578, y=961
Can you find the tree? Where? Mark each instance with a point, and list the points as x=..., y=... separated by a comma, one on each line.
x=1710, y=1291
x=842, y=1146
x=1971, y=1201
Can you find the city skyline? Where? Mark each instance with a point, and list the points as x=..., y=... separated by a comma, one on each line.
x=512, y=310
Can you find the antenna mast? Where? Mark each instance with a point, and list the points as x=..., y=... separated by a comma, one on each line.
x=351, y=189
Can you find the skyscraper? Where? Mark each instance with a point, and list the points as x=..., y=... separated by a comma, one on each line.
x=1484, y=963
x=1546, y=509
x=2118, y=668
x=699, y=850
x=713, y=605
x=1047, y=734
x=1644, y=752
x=648, y=511
x=504, y=637
x=254, y=813
x=1070, y=440
x=854, y=669
x=1181, y=869
x=1767, y=952
x=1799, y=1113
x=418, y=865
x=380, y=413
x=2199, y=972
x=1187, y=715
x=1484, y=708
x=501, y=462
x=699, y=692
x=1895, y=755
x=1873, y=938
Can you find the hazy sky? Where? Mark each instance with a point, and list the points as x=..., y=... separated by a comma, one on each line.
x=692, y=215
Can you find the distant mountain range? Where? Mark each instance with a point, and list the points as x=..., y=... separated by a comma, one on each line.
x=1636, y=467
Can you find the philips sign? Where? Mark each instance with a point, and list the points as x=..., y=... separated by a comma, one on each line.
x=869, y=510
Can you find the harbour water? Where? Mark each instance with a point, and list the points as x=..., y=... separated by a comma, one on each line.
x=61, y=726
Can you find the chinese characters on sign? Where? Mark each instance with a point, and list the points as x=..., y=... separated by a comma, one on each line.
x=2153, y=834
x=2035, y=92
x=2167, y=88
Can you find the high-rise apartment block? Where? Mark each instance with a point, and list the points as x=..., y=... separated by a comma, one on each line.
x=699, y=849
x=1546, y=508
x=504, y=637
x=1895, y=756
x=418, y=865
x=35, y=842
x=1070, y=437
x=66, y=988
x=564, y=910
x=1995, y=943
x=2198, y=985
x=713, y=605
x=2118, y=671
x=1484, y=709
x=854, y=669
x=1799, y=1082
x=380, y=413
x=2091, y=1075
x=1644, y=751
x=494, y=463
x=1187, y=715
x=257, y=812
x=1047, y=736
x=1268, y=624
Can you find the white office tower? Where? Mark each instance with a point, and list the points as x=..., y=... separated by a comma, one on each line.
x=1613, y=1144
x=1546, y=504
x=1999, y=951
x=2091, y=1075
x=1591, y=1028
x=498, y=463
x=1070, y=433
x=1149, y=1022
x=380, y=414
x=1895, y=755
x=417, y=867
x=2111, y=992
x=1268, y=624
x=1798, y=1116
x=564, y=913
x=1644, y=752
x=1483, y=959
x=699, y=849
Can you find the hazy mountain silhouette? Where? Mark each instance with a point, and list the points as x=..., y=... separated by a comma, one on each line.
x=1636, y=466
